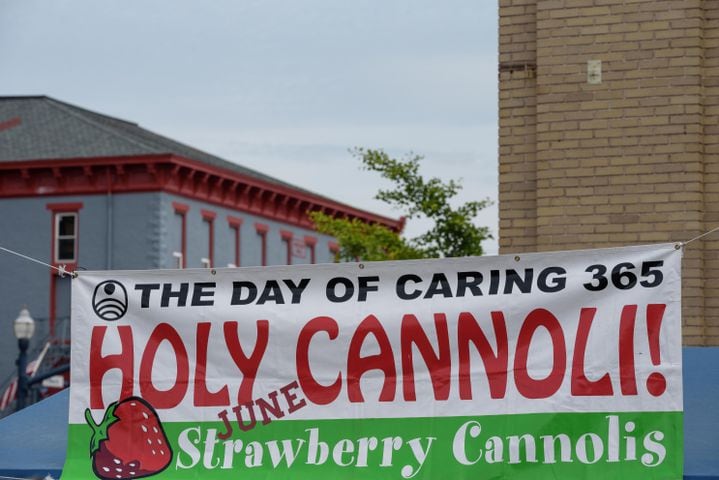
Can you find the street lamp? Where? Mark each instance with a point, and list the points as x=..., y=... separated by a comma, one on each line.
x=24, y=328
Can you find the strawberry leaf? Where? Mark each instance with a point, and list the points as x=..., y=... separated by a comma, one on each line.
x=99, y=432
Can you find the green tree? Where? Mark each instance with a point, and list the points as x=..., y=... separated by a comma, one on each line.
x=453, y=233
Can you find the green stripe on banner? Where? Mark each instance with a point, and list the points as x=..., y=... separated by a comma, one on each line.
x=531, y=446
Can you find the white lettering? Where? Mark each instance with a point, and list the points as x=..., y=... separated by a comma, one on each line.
x=364, y=446
x=187, y=446
x=276, y=455
x=389, y=446
x=231, y=447
x=420, y=455
x=597, y=448
x=495, y=450
x=651, y=443
x=253, y=455
x=208, y=459
x=565, y=448
x=317, y=452
x=343, y=447
x=473, y=429
x=515, y=446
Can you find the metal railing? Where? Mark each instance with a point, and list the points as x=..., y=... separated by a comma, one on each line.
x=52, y=352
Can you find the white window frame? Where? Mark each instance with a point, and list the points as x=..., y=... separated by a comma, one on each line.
x=178, y=259
x=58, y=237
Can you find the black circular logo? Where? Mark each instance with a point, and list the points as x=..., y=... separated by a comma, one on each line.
x=110, y=300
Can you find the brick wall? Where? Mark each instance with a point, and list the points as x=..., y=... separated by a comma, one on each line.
x=517, y=124
x=631, y=160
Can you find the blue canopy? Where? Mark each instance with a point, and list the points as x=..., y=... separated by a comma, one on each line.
x=33, y=442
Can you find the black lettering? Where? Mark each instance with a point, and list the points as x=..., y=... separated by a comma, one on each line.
x=469, y=280
x=271, y=293
x=598, y=272
x=146, y=289
x=237, y=290
x=402, y=290
x=297, y=289
x=513, y=278
x=199, y=293
x=439, y=285
x=651, y=269
x=493, y=282
x=180, y=295
x=332, y=287
x=551, y=285
x=365, y=287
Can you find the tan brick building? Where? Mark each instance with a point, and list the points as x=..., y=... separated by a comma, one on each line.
x=618, y=155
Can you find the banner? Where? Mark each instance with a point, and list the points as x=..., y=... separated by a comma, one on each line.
x=534, y=366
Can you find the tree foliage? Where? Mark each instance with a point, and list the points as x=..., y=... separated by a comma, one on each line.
x=453, y=233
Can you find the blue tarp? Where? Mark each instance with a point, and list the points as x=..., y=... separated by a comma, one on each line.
x=33, y=442
x=701, y=412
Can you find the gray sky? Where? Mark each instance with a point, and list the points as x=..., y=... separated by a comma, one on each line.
x=285, y=87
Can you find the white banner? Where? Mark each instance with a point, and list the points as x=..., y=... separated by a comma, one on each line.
x=578, y=331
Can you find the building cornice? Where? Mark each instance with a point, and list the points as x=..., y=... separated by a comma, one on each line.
x=176, y=175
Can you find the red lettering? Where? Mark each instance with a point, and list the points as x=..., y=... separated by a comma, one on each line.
x=548, y=386
x=627, y=374
x=268, y=407
x=313, y=390
x=656, y=382
x=99, y=365
x=495, y=364
x=415, y=339
x=247, y=365
x=291, y=398
x=358, y=365
x=173, y=396
x=203, y=397
x=228, y=426
x=439, y=365
x=581, y=385
x=245, y=427
x=265, y=406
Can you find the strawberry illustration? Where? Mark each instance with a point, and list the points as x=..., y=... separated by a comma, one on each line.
x=129, y=442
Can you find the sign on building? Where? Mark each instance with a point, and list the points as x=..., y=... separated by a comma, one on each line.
x=564, y=365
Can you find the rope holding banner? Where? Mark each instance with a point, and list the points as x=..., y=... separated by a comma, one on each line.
x=61, y=270
x=684, y=244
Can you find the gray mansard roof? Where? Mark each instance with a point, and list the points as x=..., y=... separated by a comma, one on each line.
x=42, y=128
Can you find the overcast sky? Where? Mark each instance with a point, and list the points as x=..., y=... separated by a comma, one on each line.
x=284, y=87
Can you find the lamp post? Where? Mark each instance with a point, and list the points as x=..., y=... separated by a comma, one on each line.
x=24, y=328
